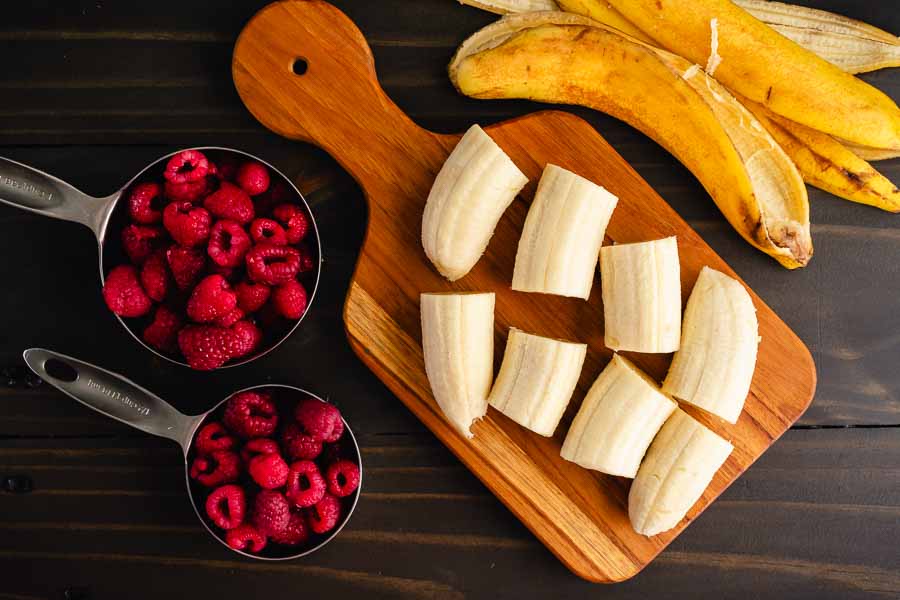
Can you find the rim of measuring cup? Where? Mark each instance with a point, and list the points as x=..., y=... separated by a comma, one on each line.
x=221, y=538
x=311, y=295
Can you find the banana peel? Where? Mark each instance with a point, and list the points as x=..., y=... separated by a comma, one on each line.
x=828, y=165
x=751, y=58
x=867, y=153
x=570, y=59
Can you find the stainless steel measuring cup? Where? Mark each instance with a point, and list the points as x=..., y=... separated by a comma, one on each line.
x=123, y=400
x=33, y=190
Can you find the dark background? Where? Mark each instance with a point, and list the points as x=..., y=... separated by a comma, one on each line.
x=92, y=91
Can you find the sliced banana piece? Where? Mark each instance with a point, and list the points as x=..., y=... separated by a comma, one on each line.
x=641, y=286
x=562, y=236
x=536, y=380
x=680, y=463
x=471, y=192
x=458, y=344
x=714, y=366
x=621, y=414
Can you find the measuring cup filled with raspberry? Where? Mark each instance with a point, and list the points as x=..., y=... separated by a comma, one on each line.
x=210, y=259
x=273, y=471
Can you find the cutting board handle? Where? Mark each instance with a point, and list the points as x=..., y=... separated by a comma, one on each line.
x=306, y=72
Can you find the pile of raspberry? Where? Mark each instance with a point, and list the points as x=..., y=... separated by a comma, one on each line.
x=270, y=477
x=215, y=252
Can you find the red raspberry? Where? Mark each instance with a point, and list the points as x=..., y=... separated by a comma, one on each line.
x=342, y=477
x=185, y=264
x=271, y=512
x=272, y=265
x=212, y=437
x=245, y=537
x=249, y=337
x=231, y=318
x=226, y=169
x=289, y=299
x=305, y=485
x=222, y=466
x=296, y=532
x=206, y=347
x=144, y=203
x=187, y=165
x=253, y=178
x=162, y=333
x=251, y=296
x=123, y=293
x=298, y=445
x=320, y=420
x=294, y=219
x=226, y=506
x=268, y=230
x=251, y=414
x=324, y=515
x=155, y=276
x=188, y=225
x=190, y=191
x=268, y=470
x=228, y=243
x=211, y=299
x=278, y=193
x=139, y=242
x=230, y=202
x=257, y=447
x=307, y=263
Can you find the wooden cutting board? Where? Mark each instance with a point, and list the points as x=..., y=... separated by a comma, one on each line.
x=337, y=104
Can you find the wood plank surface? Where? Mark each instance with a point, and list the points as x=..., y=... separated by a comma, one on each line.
x=95, y=90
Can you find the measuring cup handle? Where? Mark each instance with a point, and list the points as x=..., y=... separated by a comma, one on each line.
x=30, y=189
x=112, y=395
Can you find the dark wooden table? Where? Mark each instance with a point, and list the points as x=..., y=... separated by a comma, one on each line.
x=93, y=90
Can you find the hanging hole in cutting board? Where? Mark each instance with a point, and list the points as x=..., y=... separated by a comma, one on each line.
x=300, y=66
x=57, y=369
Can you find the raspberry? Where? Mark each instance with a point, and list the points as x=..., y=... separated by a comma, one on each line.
x=295, y=220
x=245, y=537
x=253, y=178
x=211, y=299
x=249, y=337
x=185, y=264
x=251, y=296
x=342, y=477
x=144, y=203
x=212, y=437
x=139, y=242
x=298, y=445
x=305, y=485
x=306, y=261
x=227, y=168
x=230, y=202
x=228, y=243
x=155, y=276
x=187, y=224
x=258, y=446
x=251, y=414
x=268, y=470
x=324, y=515
x=221, y=466
x=190, y=191
x=187, y=165
x=296, y=532
x=226, y=506
x=229, y=319
x=289, y=299
x=272, y=265
x=320, y=420
x=123, y=293
x=271, y=512
x=162, y=333
x=268, y=230
x=206, y=347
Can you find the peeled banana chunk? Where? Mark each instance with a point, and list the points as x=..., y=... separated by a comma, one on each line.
x=621, y=414
x=469, y=195
x=562, y=236
x=458, y=345
x=536, y=380
x=679, y=465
